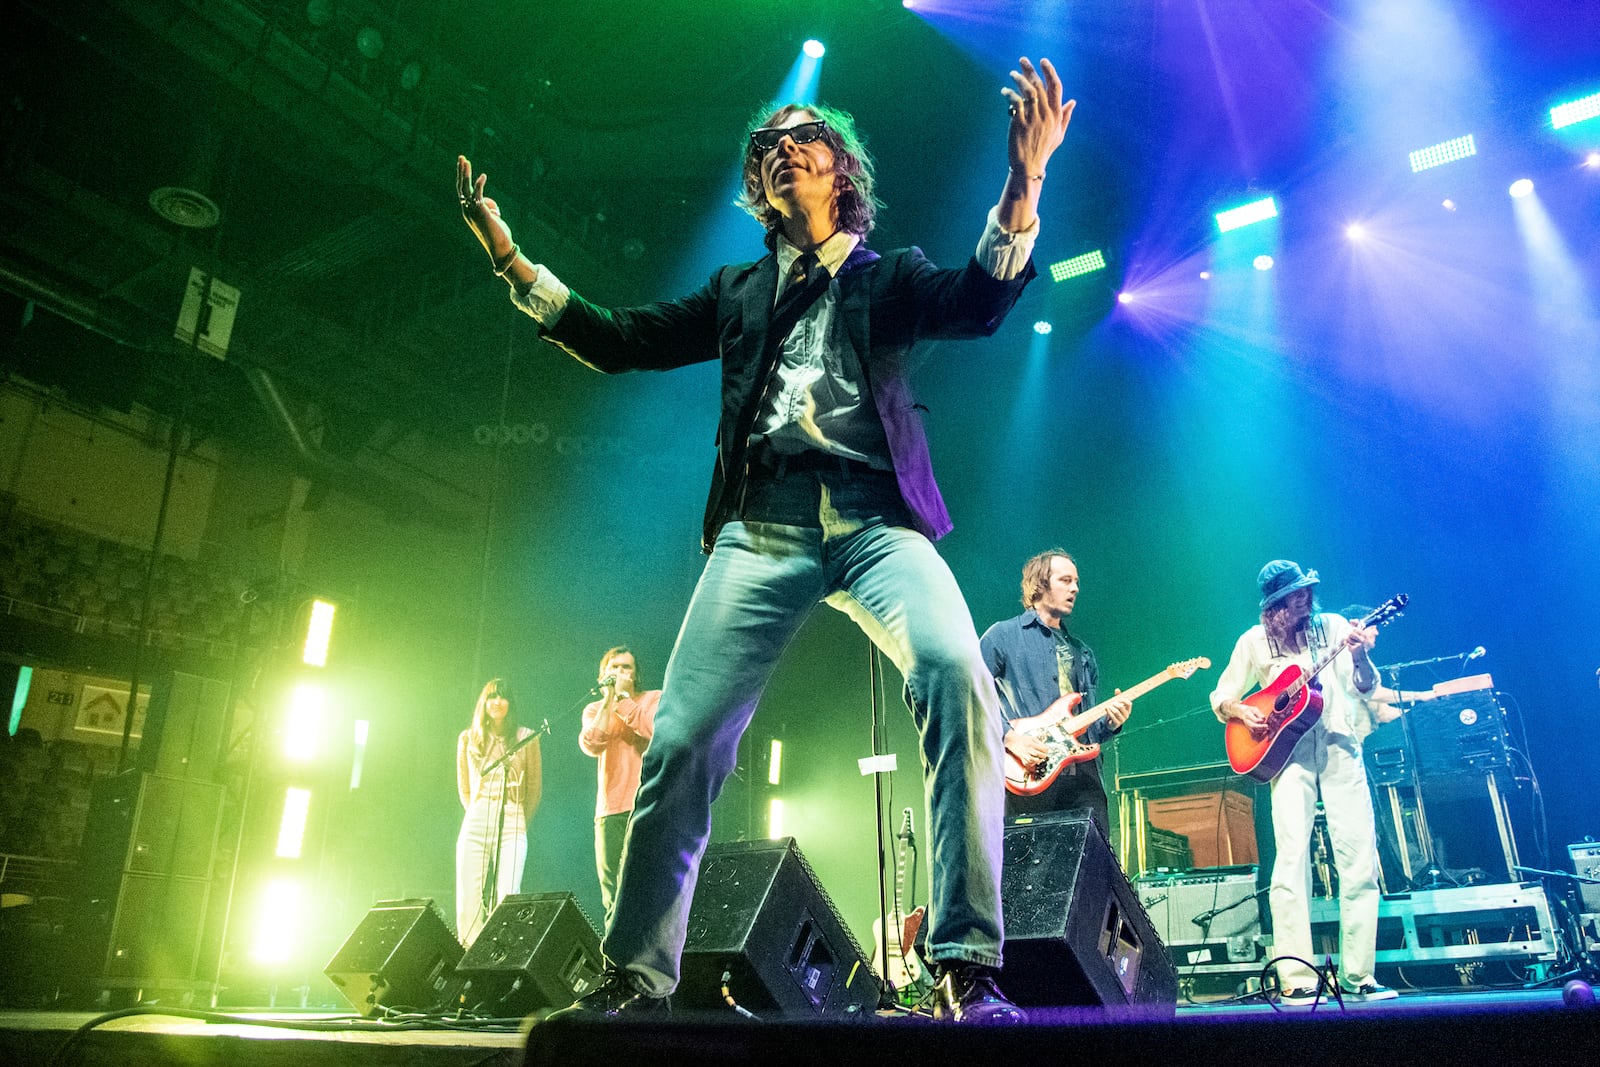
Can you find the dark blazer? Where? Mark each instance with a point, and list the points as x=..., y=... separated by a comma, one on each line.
x=888, y=302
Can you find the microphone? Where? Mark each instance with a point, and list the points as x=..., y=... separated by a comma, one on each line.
x=608, y=682
x=1475, y=653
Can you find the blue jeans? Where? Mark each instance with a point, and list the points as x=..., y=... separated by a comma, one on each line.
x=761, y=582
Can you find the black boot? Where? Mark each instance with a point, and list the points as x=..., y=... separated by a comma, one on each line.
x=615, y=998
x=966, y=993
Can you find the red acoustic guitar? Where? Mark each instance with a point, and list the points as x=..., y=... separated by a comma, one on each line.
x=1291, y=703
x=1059, y=729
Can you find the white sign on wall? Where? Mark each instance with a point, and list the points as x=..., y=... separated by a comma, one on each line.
x=216, y=319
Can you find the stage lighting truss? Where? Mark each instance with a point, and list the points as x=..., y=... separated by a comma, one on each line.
x=1087, y=263
x=1437, y=155
x=1247, y=214
x=1575, y=111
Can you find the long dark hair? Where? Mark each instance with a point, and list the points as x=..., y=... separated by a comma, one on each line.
x=479, y=734
x=1280, y=631
x=852, y=168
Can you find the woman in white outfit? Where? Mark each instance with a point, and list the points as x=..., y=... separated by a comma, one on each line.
x=500, y=795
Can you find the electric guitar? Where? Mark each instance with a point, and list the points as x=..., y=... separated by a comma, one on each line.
x=1060, y=730
x=904, y=970
x=1291, y=703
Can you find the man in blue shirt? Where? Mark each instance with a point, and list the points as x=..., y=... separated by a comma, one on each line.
x=1036, y=661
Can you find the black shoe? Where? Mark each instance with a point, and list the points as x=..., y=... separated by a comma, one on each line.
x=616, y=997
x=967, y=993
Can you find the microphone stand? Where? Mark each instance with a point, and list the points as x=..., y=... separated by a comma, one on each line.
x=879, y=742
x=490, y=895
x=1205, y=918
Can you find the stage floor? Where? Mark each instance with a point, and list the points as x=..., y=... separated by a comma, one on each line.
x=1490, y=1027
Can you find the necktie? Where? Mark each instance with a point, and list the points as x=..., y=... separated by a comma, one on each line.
x=808, y=281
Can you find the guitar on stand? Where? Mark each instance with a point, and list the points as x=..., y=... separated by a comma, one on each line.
x=1291, y=703
x=1060, y=730
x=904, y=969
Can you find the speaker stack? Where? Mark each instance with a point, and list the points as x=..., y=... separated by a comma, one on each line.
x=1076, y=933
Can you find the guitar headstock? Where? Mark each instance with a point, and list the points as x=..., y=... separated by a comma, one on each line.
x=1188, y=667
x=1387, y=612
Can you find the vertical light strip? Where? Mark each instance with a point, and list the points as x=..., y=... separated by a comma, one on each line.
x=318, y=632
x=292, y=827
x=20, y=700
x=775, y=763
x=775, y=818
x=361, y=754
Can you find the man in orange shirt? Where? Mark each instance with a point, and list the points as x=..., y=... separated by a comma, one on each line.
x=616, y=731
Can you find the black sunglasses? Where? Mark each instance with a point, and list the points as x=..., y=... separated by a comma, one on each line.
x=766, y=139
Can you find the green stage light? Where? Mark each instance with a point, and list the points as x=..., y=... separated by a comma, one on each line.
x=292, y=827
x=319, y=630
x=1575, y=111
x=1087, y=263
x=1247, y=214
x=1444, y=152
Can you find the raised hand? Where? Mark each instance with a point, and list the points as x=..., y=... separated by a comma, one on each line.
x=483, y=214
x=1038, y=117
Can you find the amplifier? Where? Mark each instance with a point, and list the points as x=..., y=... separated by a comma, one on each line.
x=1164, y=848
x=1586, y=861
x=1206, y=916
x=1459, y=736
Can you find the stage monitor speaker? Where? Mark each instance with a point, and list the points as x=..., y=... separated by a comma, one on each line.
x=401, y=956
x=538, y=950
x=760, y=915
x=1076, y=933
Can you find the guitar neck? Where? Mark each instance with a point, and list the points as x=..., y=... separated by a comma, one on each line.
x=1098, y=712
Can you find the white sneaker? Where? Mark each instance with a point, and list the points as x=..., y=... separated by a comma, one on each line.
x=1298, y=998
x=1367, y=992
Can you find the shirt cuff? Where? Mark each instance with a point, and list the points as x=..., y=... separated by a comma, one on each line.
x=1002, y=253
x=545, y=299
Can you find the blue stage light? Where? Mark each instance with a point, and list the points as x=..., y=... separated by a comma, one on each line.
x=1438, y=155
x=1262, y=262
x=1087, y=263
x=1574, y=111
x=1042, y=327
x=814, y=48
x=1247, y=214
x=1521, y=187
